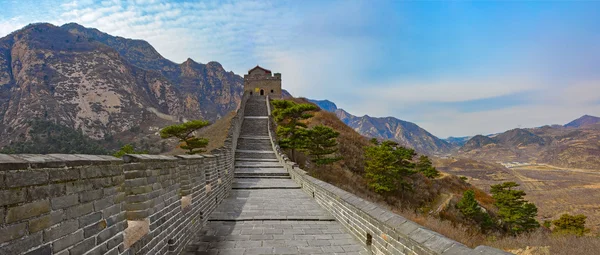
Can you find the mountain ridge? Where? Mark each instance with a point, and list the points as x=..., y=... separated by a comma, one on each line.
x=101, y=84
x=390, y=128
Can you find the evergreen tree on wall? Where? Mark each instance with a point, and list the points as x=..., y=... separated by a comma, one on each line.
x=184, y=132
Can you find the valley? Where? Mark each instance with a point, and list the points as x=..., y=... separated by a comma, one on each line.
x=554, y=190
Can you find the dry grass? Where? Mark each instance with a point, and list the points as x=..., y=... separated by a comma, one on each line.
x=559, y=244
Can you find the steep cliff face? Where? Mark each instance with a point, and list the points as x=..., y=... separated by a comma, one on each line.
x=102, y=85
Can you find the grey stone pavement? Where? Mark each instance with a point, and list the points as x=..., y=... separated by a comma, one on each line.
x=267, y=212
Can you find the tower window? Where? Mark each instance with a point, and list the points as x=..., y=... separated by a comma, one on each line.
x=271, y=91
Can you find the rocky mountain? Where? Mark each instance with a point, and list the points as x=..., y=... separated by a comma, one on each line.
x=103, y=85
x=584, y=120
x=458, y=141
x=574, y=147
x=325, y=105
x=390, y=128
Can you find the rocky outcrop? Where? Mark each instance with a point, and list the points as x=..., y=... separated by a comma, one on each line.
x=101, y=84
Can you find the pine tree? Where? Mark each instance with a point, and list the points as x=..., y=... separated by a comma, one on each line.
x=127, y=149
x=290, y=129
x=184, y=132
x=516, y=213
x=469, y=207
x=387, y=166
x=570, y=224
x=425, y=166
x=321, y=142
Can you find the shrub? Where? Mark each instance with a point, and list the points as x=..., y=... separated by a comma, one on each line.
x=570, y=224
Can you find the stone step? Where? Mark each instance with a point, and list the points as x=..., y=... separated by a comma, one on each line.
x=255, y=160
x=255, y=137
x=254, y=146
x=255, y=155
x=263, y=183
x=257, y=165
x=263, y=177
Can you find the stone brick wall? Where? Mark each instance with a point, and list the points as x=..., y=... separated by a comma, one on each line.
x=61, y=204
x=380, y=230
x=88, y=204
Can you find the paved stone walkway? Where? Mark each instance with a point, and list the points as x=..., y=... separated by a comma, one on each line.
x=267, y=212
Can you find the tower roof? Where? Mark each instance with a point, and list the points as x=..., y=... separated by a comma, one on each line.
x=258, y=67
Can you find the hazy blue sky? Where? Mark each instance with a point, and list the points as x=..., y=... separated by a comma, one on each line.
x=453, y=67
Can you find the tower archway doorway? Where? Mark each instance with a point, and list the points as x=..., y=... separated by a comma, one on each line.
x=262, y=92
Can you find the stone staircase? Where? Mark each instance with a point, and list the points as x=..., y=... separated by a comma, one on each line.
x=267, y=212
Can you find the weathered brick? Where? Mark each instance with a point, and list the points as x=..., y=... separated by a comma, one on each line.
x=100, y=249
x=26, y=178
x=44, y=250
x=57, y=216
x=67, y=241
x=27, y=210
x=60, y=175
x=103, y=203
x=40, y=223
x=91, y=172
x=111, y=191
x=90, y=195
x=115, y=241
x=120, y=197
x=64, y=201
x=12, y=232
x=22, y=245
x=94, y=229
x=60, y=230
x=90, y=219
x=83, y=247
x=136, y=182
x=45, y=191
x=12, y=196
x=135, y=174
x=99, y=183
x=112, y=210
x=79, y=210
x=2, y=182
x=78, y=186
x=115, y=219
x=118, y=180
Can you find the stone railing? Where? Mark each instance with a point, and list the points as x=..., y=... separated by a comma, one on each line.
x=380, y=230
x=141, y=204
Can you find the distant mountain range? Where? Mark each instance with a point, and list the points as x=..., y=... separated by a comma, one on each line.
x=576, y=144
x=390, y=128
x=103, y=85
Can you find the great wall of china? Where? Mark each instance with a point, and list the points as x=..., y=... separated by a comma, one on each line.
x=245, y=198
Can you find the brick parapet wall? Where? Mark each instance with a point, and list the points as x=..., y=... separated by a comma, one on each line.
x=83, y=204
x=380, y=230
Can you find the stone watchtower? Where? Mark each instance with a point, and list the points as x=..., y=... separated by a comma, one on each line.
x=261, y=82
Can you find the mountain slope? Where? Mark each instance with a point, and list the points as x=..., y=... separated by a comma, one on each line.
x=389, y=128
x=572, y=147
x=81, y=78
x=583, y=121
